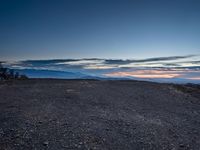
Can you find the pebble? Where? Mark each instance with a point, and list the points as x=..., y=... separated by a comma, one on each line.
x=181, y=145
x=12, y=129
x=1, y=131
x=107, y=129
x=17, y=135
x=46, y=143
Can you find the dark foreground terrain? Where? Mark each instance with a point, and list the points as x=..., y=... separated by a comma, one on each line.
x=88, y=114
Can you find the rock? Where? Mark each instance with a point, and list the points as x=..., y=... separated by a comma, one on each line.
x=12, y=130
x=107, y=129
x=17, y=135
x=1, y=131
x=46, y=143
x=181, y=145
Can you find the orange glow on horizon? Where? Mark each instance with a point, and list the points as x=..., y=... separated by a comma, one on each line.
x=194, y=78
x=145, y=74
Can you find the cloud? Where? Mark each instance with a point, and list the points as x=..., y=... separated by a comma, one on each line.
x=83, y=62
x=128, y=61
x=158, y=73
x=95, y=63
x=194, y=78
x=192, y=62
x=145, y=74
x=158, y=67
x=165, y=58
x=118, y=61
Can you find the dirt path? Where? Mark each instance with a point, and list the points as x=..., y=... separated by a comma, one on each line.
x=87, y=114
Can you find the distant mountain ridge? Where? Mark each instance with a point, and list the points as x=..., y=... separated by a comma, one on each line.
x=34, y=73
x=38, y=73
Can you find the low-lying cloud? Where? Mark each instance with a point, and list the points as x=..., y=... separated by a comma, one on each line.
x=159, y=73
x=187, y=67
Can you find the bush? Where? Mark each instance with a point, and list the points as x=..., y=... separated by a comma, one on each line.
x=23, y=77
x=16, y=75
x=7, y=74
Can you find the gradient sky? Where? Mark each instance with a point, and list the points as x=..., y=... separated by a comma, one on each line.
x=121, y=29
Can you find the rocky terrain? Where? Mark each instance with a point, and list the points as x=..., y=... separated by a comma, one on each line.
x=39, y=114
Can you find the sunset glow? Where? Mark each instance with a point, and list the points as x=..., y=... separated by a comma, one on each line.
x=146, y=74
x=194, y=78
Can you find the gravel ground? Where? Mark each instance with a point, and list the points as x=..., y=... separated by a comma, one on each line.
x=88, y=114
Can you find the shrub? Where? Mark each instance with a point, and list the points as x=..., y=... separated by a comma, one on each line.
x=23, y=77
x=7, y=74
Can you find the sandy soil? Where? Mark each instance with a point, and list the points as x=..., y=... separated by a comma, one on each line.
x=88, y=114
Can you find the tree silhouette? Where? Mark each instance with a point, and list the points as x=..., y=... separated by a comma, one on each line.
x=11, y=74
x=3, y=72
x=16, y=75
x=8, y=74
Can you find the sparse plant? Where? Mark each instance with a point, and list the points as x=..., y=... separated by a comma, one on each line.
x=16, y=75
x=7, y=74
x=23, y=77
x=11, y=74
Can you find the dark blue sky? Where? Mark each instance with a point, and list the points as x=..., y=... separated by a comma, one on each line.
x=39, y=29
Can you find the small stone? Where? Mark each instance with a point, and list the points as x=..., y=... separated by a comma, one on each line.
x=46, y=143
x=107, y=129
x=17, y=135
x=182, y=145
x=1, y=131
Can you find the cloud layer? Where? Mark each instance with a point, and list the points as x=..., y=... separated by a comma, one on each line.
x=186, y=67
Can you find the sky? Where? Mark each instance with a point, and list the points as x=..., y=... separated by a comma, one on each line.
x=110, y=38
x=116, y=29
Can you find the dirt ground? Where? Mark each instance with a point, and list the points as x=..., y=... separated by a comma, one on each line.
x=52, y=114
